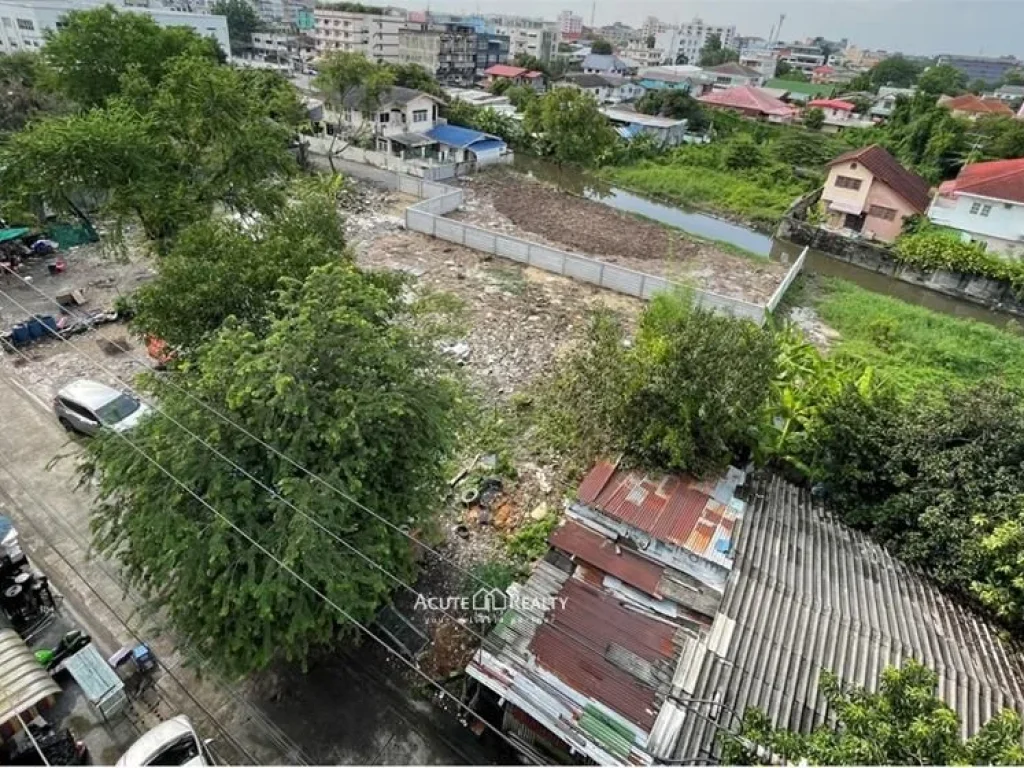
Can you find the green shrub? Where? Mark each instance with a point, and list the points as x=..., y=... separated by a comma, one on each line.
x=530, y=542
x=930, y=249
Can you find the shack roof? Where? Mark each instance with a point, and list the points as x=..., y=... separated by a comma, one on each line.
x=24, y=682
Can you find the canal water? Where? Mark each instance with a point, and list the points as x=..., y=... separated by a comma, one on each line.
x=578, y=182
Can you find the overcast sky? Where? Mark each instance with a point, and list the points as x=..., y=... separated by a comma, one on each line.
x=989, y=27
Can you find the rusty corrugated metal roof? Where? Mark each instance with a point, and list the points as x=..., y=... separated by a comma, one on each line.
x=569, y=643
x=591, y=547
x=677, y=509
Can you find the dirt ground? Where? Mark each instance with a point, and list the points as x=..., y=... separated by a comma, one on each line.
x=516, y=204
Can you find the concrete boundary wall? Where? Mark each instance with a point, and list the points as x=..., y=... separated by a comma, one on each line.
x=427, y=216
x=787, y=281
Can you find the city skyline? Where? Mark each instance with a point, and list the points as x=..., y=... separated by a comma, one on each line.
x=916, y=27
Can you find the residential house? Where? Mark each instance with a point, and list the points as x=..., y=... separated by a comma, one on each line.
x=612, y=653
x=643, y=55
x=761, y=60
x=1009, y=93
x=800, y=92
x=831, y=74
x=405, y=124
x=607, y=89
x=985, y=202
x=481, y=98
x=869, y=193
x=607, y=64
x=693, y=80
x=862, y=58
x=515, y=75
x=972, y=107
x=666, y=131
x=886, y=100
x=805, y=58
x=732, y=74
x=839, y=115
x=750, y=102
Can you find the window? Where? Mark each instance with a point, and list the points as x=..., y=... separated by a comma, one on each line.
x=419, y=115
x=847, y=182
x=978, y=209
x=881, y=212
x=8, y=22
x=26, y=24
x=384, y=117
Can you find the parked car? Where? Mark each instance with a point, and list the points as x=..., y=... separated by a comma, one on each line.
x=173, y=742
x=87, y=406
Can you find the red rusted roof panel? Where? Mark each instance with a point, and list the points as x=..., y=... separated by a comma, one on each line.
x=595, y=481
x=597, y=550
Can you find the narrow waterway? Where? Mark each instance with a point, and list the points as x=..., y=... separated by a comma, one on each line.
x=578, y=182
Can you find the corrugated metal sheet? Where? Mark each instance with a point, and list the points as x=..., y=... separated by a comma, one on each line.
x=23, y=681
x=808, y=594
x=697, y=515
x=593, y=548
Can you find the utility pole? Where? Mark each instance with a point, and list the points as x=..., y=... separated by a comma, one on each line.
x=593, y=13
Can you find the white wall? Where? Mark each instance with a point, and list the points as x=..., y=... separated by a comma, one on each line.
x=1002, y=228
x=23, y=24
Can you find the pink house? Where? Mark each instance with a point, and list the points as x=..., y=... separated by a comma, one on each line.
x=868, y=192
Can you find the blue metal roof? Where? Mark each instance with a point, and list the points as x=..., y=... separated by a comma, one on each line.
x=486, y=145
x=455, y=135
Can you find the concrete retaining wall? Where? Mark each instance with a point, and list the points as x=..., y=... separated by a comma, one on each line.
x=878, y=257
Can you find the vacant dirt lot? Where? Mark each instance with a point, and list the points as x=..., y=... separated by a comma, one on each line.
x=517, y=204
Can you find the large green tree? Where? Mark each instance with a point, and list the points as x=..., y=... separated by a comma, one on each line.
x=571, y=126
x=96, y=48
x=220, y=267
x=22, y=96
x=350, y=384
x=897, y=71
x=242, y=22
x=903, y=723
x=714, y=53
x=942, y=79
x=166, y=155
x=674, y=103
x=601, y=47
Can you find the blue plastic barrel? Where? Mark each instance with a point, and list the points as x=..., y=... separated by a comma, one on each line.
x=35, y=328
x=20, y=334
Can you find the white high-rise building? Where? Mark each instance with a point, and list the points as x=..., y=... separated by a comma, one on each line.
x=536, y=37
x=570, y=25
x=688, y=39
x=653, y=26
x=375, y=35
x=24, y=23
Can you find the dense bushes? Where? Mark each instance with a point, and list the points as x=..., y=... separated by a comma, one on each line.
x=933, y=248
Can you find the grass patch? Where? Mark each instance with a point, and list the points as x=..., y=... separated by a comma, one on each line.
x=509, y=279
x=915, y=347
x=740, y=194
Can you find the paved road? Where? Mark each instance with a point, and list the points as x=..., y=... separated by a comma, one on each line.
x=353, y=708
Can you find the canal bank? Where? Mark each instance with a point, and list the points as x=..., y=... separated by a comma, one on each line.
x=714, y=229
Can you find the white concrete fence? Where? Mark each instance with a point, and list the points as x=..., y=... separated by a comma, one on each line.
x=427, y=216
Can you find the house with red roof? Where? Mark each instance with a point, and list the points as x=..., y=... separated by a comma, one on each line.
x=985, y=202
x=869, y=193
x=839, y=115
x=516, y=75
x=752, y=102
x=972, y=107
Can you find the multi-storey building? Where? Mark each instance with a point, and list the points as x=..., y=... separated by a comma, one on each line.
x=618, y=33
x=570, y=25
x=986, y=68
x=447, y=51
x=491, y=49
x=371, y=31
x=689, y=39
x=642, y=55
x=534, y=37
x=805, y=58
x=23, y=25
x=653, y=26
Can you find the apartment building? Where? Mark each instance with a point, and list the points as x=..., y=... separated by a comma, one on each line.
x=986, y=68
x=806, y=58
x=688, y=39
x=653, y=26
x=448, y=51
x=570, y=25
x=534, y=37
x=23, y=25
x=371, y=31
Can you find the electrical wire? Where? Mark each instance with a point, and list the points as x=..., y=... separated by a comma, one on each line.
x=298, y=577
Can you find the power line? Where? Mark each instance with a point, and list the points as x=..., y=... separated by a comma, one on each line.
x=284, y=566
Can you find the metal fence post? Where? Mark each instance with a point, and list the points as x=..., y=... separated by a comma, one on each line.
x=643, y=282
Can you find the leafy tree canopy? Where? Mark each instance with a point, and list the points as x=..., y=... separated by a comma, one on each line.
x=572, y=128
x=347, y=381
x=814, y=118
x=220, y=268
x=896, y=71
x=903, y=723
x=95, y=49
x=242, y=22
x=942, y=79
x=340, y=71
x=415, y=76
x=22, y=96
x=601, y=47
x=676, y=104
x=167, y=154
x=713, y=53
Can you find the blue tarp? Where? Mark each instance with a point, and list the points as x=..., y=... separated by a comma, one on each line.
x=455, y=135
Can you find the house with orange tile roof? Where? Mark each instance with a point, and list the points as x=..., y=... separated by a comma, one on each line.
x=972, y=107
x=985, y=202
